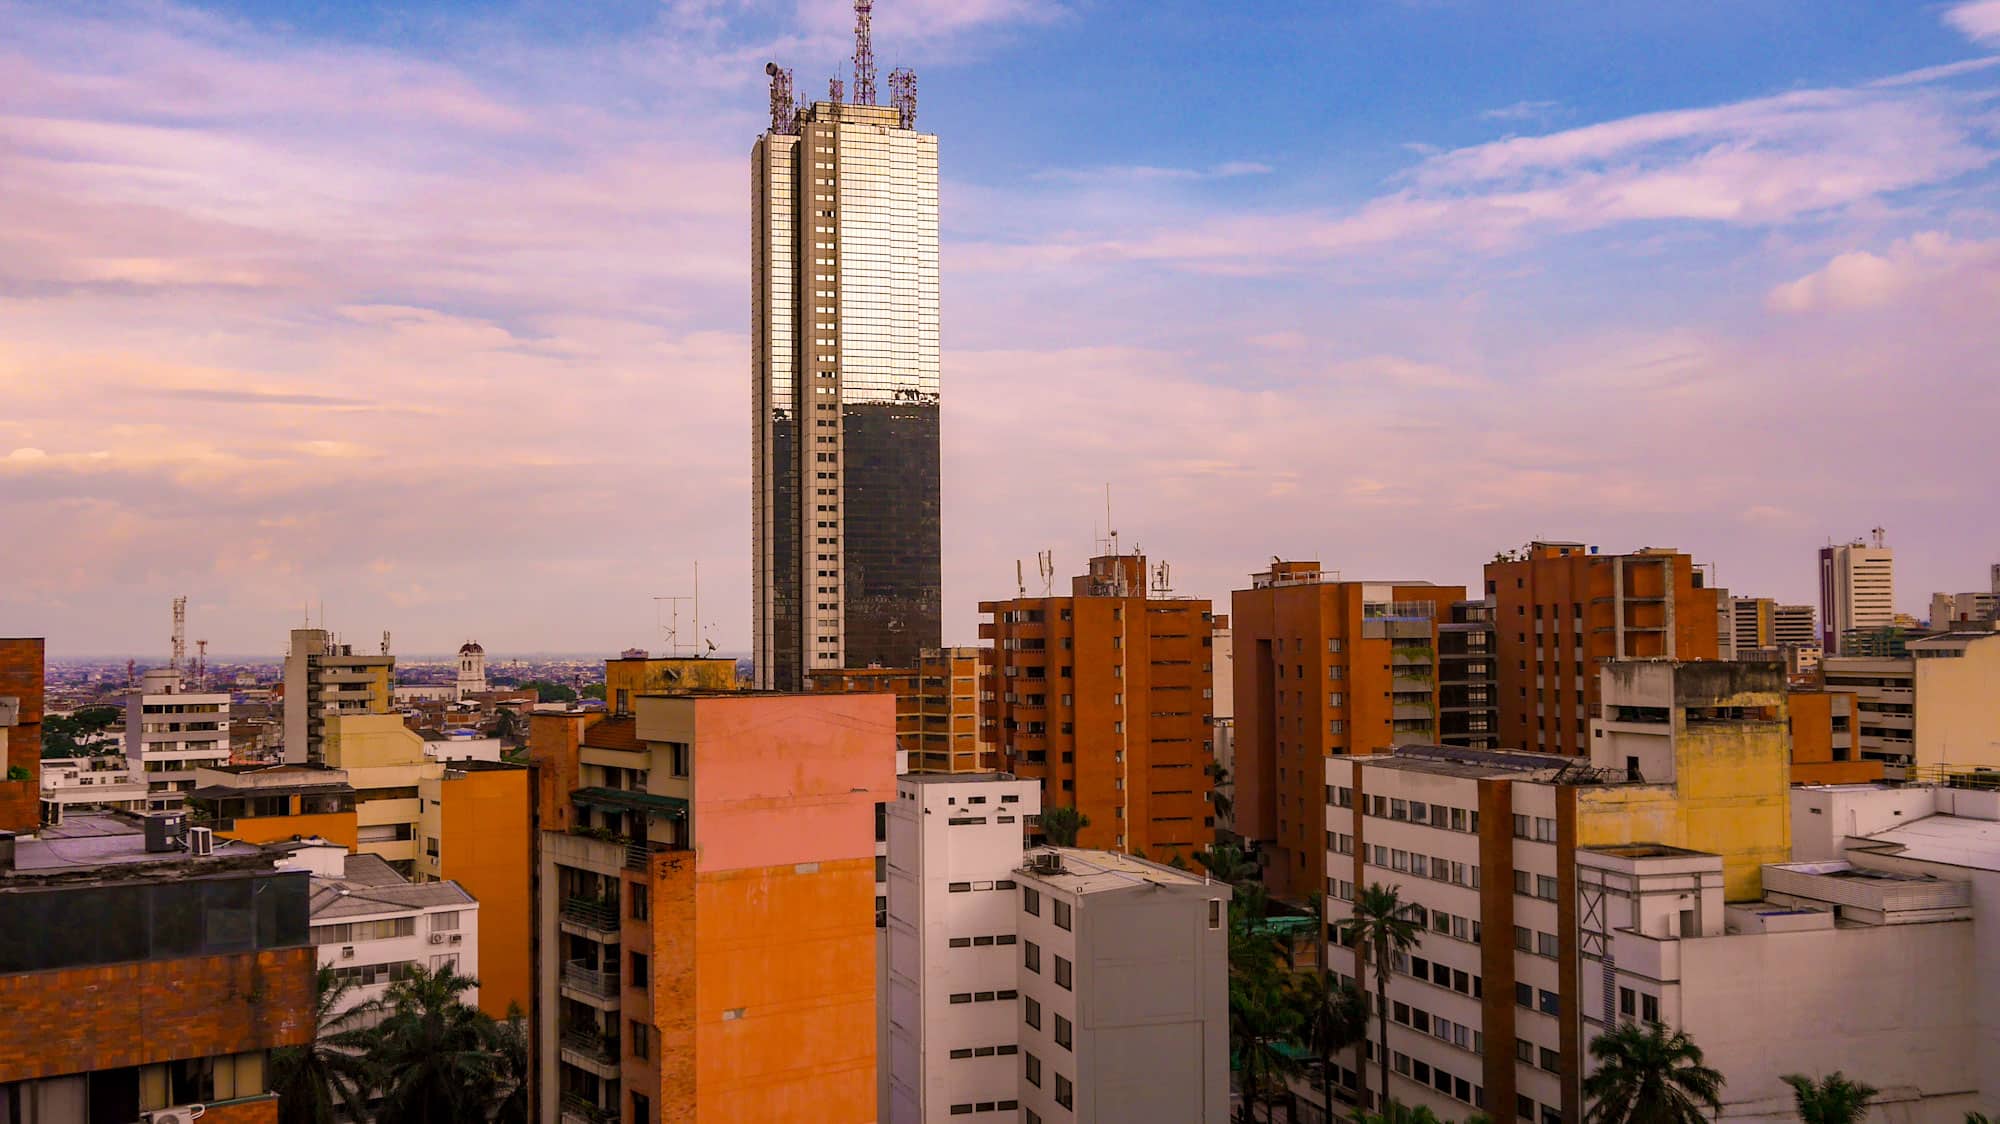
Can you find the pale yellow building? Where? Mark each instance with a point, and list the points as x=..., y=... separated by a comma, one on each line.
x=1957, y=702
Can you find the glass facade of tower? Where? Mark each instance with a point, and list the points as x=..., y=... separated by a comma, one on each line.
x=845, y=367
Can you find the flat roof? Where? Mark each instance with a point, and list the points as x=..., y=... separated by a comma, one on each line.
x=89, y=841
x=957, y=778
x=1093, y=872
x=1454, y=761
x=1941, y=838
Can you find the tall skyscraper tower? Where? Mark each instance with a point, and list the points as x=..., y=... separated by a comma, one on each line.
x=844, y=373
x=1857, y=590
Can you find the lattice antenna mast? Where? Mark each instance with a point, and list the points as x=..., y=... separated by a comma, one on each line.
x=836, y=91
x=201, y=665
x=180, y=649
x=864, y=55
x=903, y=96
x=784, y=110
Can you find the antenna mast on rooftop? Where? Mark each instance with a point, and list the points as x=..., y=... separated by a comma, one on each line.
x=201, y=665
x=385, y=641
x=1880, y=537
x=180, y=633
x=864, y=55
x=784, y=111
x=903, y=95
x=1045, y=561
x=836, y=91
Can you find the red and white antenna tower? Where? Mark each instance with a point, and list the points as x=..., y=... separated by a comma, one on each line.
x=903, y=95
x=864, y=55
x=836, y=91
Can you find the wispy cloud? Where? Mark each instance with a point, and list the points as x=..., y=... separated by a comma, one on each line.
x=1523, y=111
x=1978, y=20
x=1140, y=173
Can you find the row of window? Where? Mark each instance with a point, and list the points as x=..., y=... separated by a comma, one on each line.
x=985, y=1051
x=968, y=887
x=1534, y=999
x=985, y=1106
x=1440, y=974
x=1437, y=1026
x=1031, y=904
x=1451, y=1085
x=982, y=941
x=1031, y=959
x=1541, y=886
x=1538, y=828
x=1007, y=996
x=1527, y=1053
x=1529, y=940
x=1441, y=816
x=1065, y=1090
x=1424, y=866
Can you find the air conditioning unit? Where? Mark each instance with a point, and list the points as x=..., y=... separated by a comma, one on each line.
x=201, y=841
x=437, y=938
x=458, y=938
x=347, y=953
x=183, y=1114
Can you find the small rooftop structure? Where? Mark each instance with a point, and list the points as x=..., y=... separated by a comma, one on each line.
x=1091, y=872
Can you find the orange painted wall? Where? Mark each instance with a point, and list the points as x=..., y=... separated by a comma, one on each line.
x=789, y=951
x=486, y=849
x=1811, y=724
x=334, y=827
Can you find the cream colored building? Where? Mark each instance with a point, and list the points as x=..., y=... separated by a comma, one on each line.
x=171, y=732
x=386, y=763
x=1957, y=680
x=324, y=679
x=1887, y=691
x=1857, y=590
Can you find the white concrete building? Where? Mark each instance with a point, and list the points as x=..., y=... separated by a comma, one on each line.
x=954, y=843
x=373, y=926
x=1857, y=590
x=1886, y=691
x=76, y=783
x=323, y=678
x=170, y=732
x=1124, y=991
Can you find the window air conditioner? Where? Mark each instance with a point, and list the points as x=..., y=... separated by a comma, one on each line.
x=457, y=938
x=183, y=1114
x=437, y=938
x=201, y=841
x=347, y=953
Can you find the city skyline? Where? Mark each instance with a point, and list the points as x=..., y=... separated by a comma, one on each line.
x=438, y=319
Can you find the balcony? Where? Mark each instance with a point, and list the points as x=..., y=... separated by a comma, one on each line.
x=1411, y=712
x=583, y=979
x=584, y=1047
x=579, y=1109
x=1410, y=655
x=639, y=853
x=598, y=916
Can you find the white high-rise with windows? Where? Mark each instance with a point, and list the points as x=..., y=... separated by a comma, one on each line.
x=1857, y=590
x=954, y=846
x=170, y=732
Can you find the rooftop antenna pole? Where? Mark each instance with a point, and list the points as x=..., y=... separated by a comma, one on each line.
x=903, y=95
x=836, y=91
x=201, y=665
x=1045, y=560
x=180, y=633
x=864, y=55
x=385, y=641
x=1879, y=533
x=784, y=111
x=1020, y=583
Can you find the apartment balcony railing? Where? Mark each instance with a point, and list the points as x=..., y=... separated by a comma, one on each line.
x=591, y=913
x=590, y=1045
x=639, y=853
x=580, y=977
x=582, y=1110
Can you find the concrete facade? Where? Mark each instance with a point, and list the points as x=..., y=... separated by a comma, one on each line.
x=170, y=732
x=1857, y=592
x=953, y=849
x=323, y=679
x=1124, y=991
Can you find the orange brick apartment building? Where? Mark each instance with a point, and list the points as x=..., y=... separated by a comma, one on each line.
x=1107, y=696
x=1561, y=607
x=705, y=907
x=1324, y=668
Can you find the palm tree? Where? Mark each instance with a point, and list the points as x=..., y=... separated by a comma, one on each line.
x=314, y=1081
x=1218, y=793
x=1261, y=1022
x=1832, y=1099
x=1380, y=928
x=434, y=1054
x=508, y=1042
x=1332, y=1017
x=1226, y=862
x=1061, y=825
x=1649, y=1075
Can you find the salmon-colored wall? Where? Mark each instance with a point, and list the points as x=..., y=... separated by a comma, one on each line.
x=790, y=778
x=334, y=827
x=1811, y=715
x=485, y=849
x=785, y=994
x=552, y=745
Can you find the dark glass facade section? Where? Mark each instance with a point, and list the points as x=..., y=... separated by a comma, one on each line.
x=787, y=623
x=70, y=926
x=892, y=533
x=1468, y=697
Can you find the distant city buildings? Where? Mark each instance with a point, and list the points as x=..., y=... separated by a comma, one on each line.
x=845, y=360
x=1857, y=592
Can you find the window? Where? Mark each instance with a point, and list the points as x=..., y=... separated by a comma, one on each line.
x=1062, y=973
x=1031, y=901
x=1550, y=1060
x=1065, y=1092
x=1033, y=1013
x=1063, y=1030
x=1551, y=1004
x=642, y=1108
x=1062, y=915
x=1031, y=956
x=641, y=970
x=1524, y=1051
x=1545, y=944
x=961, y=997
x=960, y=888
x=1545, y=887
x=444, y=922
x=1649, y=1008
x=1524, y=939
x=1215, y=913
x=678, y=759
x=1032, y=1069
x=640, y=1036
x=637, y=893
x=1524, y=996
x=1627, y=1002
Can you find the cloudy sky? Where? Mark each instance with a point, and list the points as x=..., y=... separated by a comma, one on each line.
x=436, y=312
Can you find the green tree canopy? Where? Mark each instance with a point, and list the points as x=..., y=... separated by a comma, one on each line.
x=80, y=733
x=1832, y=1099
x=1061, y=824
x=1650, y=1075
x=548, y=690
